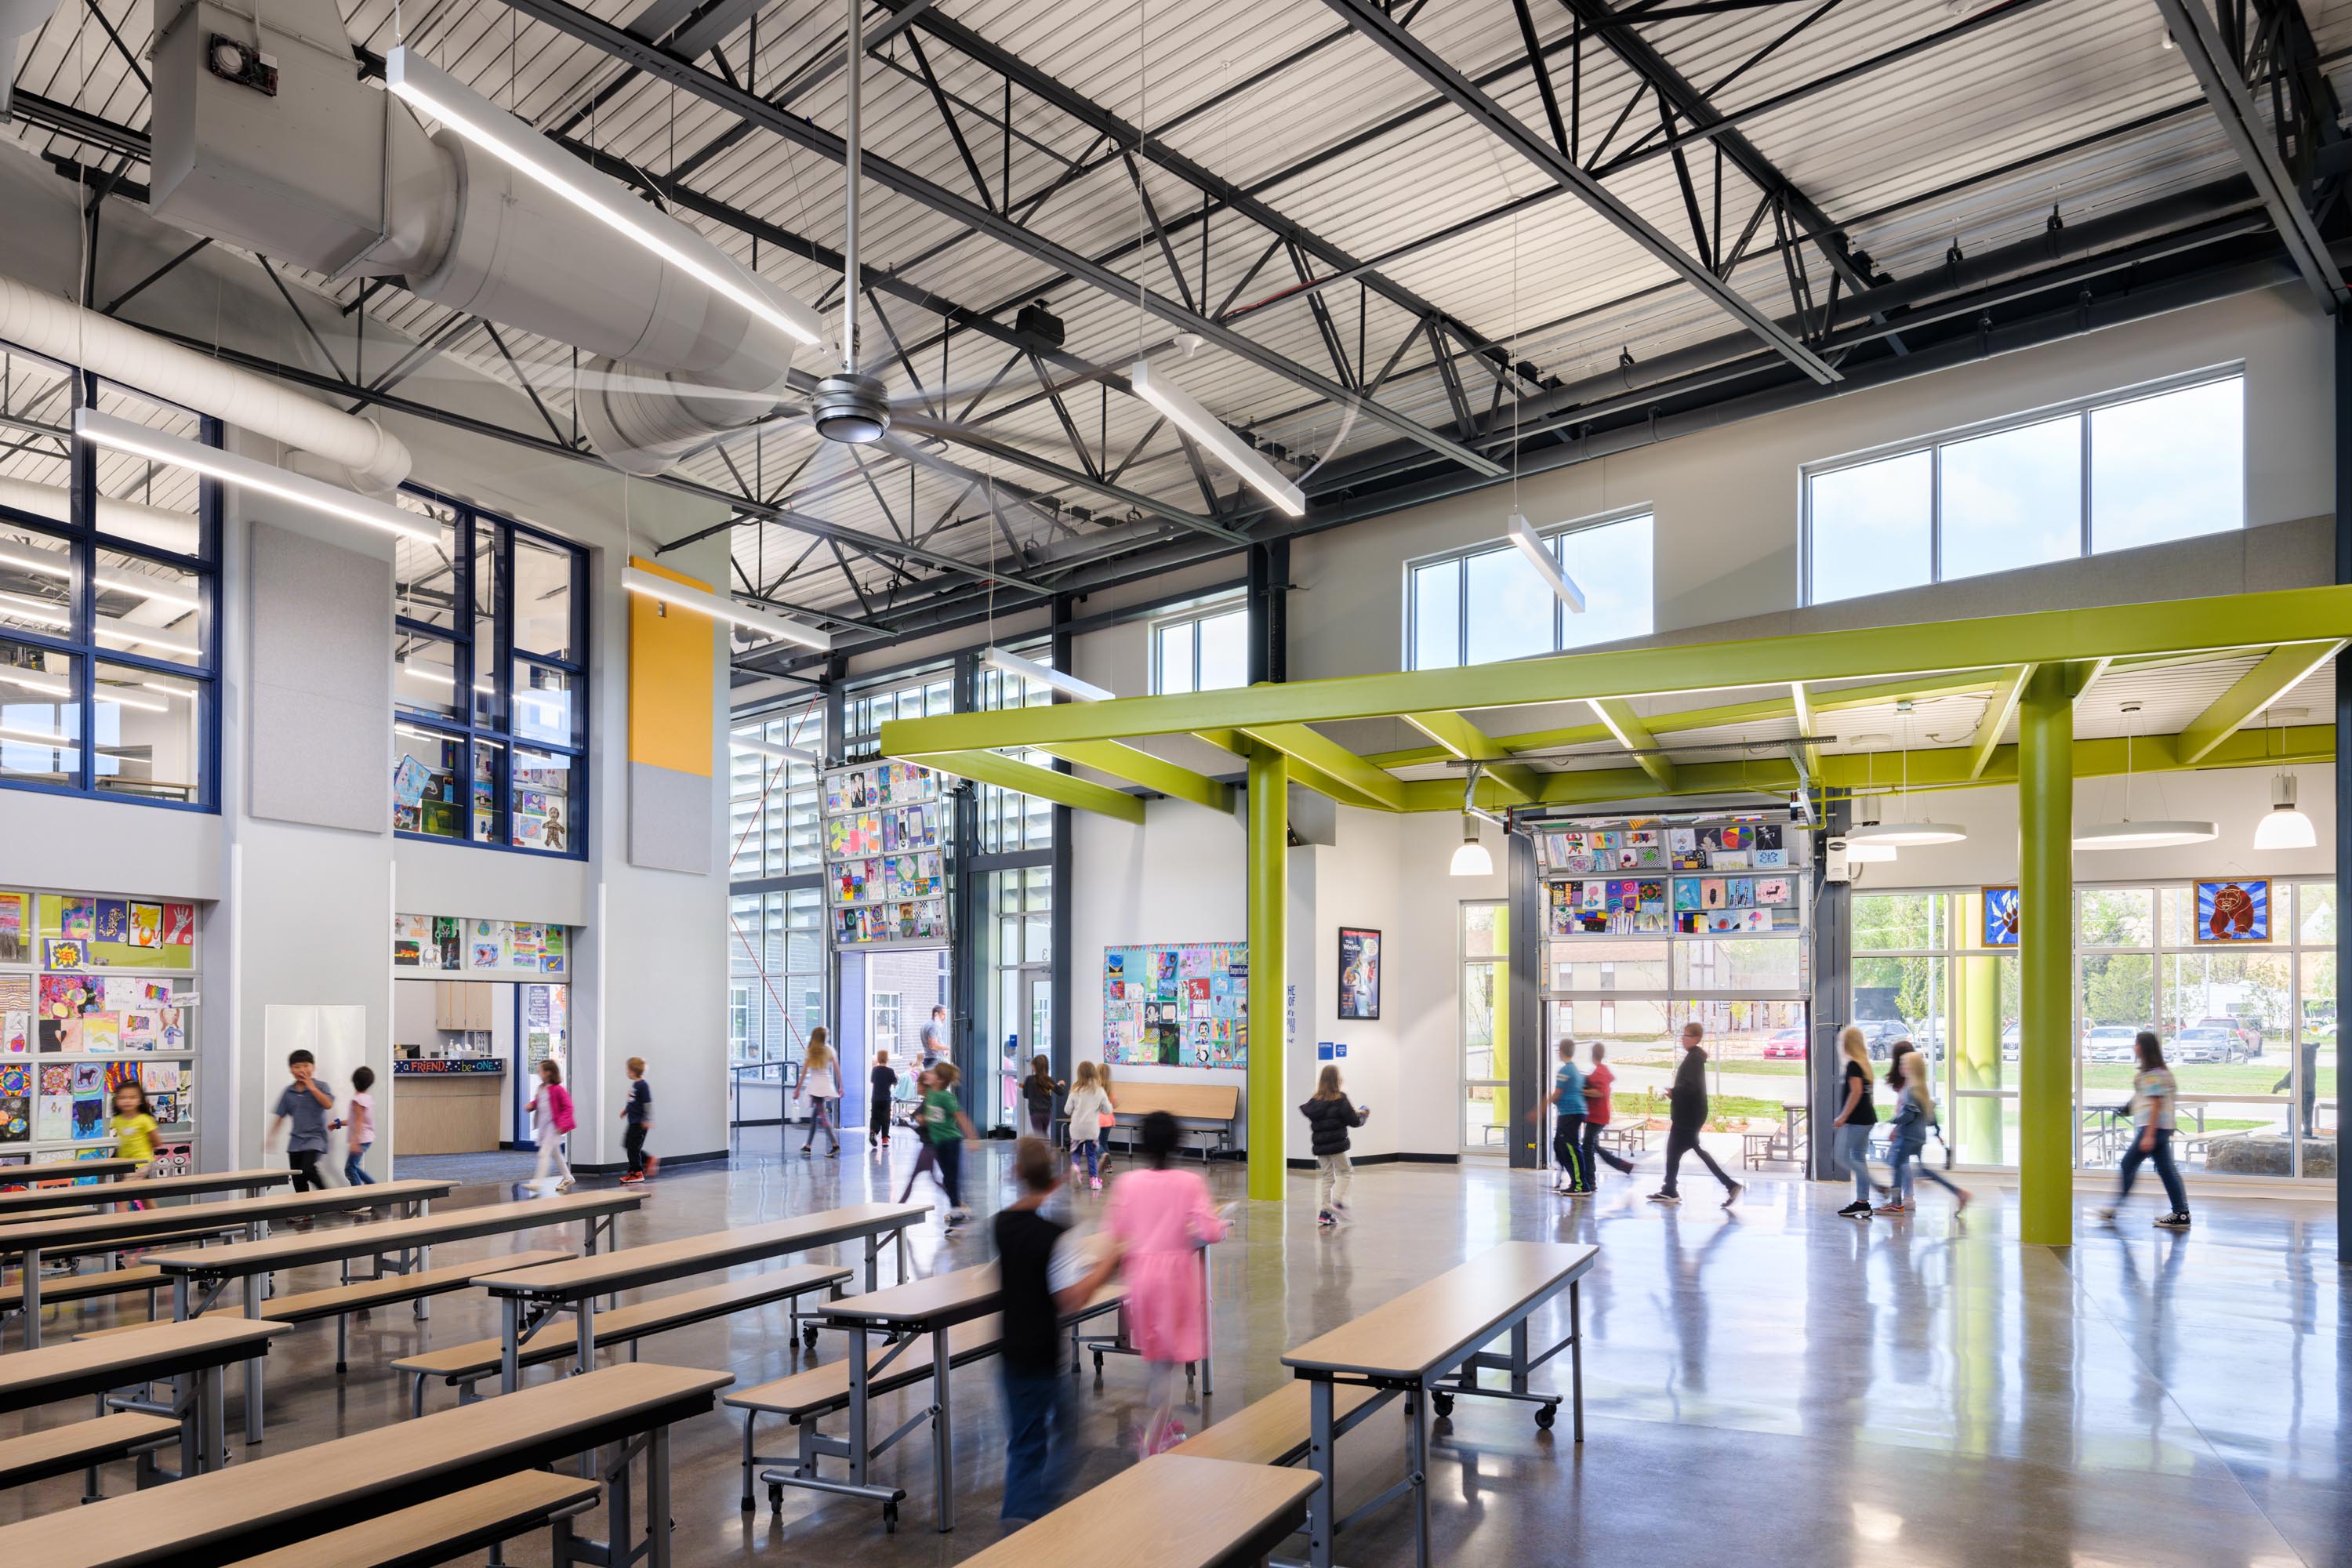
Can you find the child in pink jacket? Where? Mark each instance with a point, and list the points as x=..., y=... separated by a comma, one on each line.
x=551, y=1118
x=1163, y=1218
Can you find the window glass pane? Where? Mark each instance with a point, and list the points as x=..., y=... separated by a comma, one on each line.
x=424, y=767
x=489, y=756
x=1173, y=659
x=1601, y=966
x=35, y=578
x=2316, y=917
x=40, y=722
x=1739, y=963
x=543, y=800
x=424, y=674
x=1612, y=562
x=488, y=714
x=543, y=598
x=1224, y=650
x=424, y=577
x=1873, y=527
x=2117, y=917
x=543, y=704
x=1897, y=922
x=1437, y=616
x=148, y=502
x=148, y=608
x=2170, y=467
x=1510, y=607
x=145, y=733
x=2014, y=498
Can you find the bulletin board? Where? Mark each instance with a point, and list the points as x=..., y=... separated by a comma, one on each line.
x=95, y=992
x=1177, y=1004
x=886, y=832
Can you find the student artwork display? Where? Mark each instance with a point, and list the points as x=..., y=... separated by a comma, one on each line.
x=1615, y=906
x=450, y=944
x=886, y=830
x=16, y=928
x=411, y=935
x=1177, y=1004
x=1359, y=972
x=1648, y=845
x=2234, y=912
x=67, y=931
x=1604, y=880
x=2000, y=917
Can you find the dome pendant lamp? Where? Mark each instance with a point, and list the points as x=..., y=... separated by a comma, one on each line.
x=2130, y=835
x=2283, y=826
x=1905, y=835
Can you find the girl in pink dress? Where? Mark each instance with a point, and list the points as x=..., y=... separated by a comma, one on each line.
x=1164, y=1218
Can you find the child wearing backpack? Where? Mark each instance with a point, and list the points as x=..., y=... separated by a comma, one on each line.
x=550, y=1119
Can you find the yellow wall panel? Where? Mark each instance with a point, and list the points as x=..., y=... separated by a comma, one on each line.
x=673, y=680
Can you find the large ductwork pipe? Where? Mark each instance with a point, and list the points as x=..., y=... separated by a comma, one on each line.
x=326, y=171
x=356, y=448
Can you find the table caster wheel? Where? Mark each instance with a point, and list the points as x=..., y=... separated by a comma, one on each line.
x=808, y=1335
x=1545, y=1416
x=1443, y=1404
x=889, y=1518
x=776, y=1501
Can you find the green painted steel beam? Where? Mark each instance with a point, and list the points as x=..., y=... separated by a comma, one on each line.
x=1635, y=736
x=1883, y=653
x=1998, y=707
x=1331, y=764
x=1028, y=778
x=1465, y=741
x=2277, y=673
x=1141, y=767
x=1807, y=716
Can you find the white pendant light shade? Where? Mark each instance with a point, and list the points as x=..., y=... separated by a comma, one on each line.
x=1211, y=432
x=2129, y=834
x=637, y=579
x=1546, y=565
x=483, y=123
x=2284, y=828
x=1068, y=685
x=119, y=435
x=1904, y=835
x=1867, y=852
x=1472, y=859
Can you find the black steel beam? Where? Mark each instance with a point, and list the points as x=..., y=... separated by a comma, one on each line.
x=574, y=22
x=1368, y=18
x=2209, y=58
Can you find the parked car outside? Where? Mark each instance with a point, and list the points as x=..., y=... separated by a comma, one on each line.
x=2109, y=1043
x=2248, y=1033
x=1787, y=1043
x=2203, y=1044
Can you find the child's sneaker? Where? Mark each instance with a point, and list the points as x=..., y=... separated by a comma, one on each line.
x=1664, y=1198
x=1324, y=1218
x=1094, y=1181
x=632, y=1179
x=2105, y=1216
x=2173, y=1222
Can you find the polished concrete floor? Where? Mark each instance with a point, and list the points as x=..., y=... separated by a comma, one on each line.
x=1772, y=1385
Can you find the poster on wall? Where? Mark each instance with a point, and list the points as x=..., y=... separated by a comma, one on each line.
x=410, y=936
x=1359, y=972
x=2234, y=912
x=15, y=942
x=2000, y=917
x=1177, y=1004
x=886, y=830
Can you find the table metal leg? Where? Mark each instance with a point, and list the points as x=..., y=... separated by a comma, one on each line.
x=873, y=1263
x=1323, y=1505
x=857, y=1405
x=29, y=1268
x=510, y=1343
x=195, y=1421
x=1416, y=1458
x=657, y=1498
x=1576, y=1353
x=899, y=1235
x=1208, y=1320
x=586, y=1344
x=179, y=1303
x=942, y=1429
x=215, y=1439
x=1519, y=1356
x=248, y=1293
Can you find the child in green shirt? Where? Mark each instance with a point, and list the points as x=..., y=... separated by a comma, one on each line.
x=945, y=1127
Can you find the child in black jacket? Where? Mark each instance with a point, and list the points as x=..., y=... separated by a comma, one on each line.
x=1329, y=1118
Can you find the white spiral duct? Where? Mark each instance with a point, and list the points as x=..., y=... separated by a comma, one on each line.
x=60, y=330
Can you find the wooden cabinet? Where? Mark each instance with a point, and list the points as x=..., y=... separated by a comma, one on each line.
x=462, y=1005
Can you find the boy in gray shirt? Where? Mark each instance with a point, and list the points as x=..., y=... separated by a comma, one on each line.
x=305, y=1102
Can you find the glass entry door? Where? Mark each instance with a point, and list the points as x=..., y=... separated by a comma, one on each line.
x=1485, y=992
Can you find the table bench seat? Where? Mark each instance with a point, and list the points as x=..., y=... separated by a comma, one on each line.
x=464, y=1364
x=62, y=1288
x=1276, y=1430
x=390, y=1290
x=80, y=1446
x=823, y=1389
x=1169, y=1512
x=442, y=1529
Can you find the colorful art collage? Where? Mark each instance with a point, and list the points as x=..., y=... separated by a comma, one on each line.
x=67, y=930
x=1720, y=904
x=1615, y=906
x=1606, y=881
x=1180, y=1005
x=1648, y=845
x=886, y=828
x=447, y=943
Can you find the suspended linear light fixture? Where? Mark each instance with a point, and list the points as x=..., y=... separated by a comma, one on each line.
x=1068, y=685
x=770, y=749
x=637, y=579
x=1546, y=565
x=118, y=434
x=1212, y=433
x=437, y=93
x=2283, y=826
x=2130, y=835
x=1900, y=833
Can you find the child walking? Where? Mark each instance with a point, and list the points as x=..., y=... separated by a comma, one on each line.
x=1907, y=1074
x=135, y=1132
x=880, y=1084
x=1162, y=1218
x=1329, y=1119
x=1089, y=1114
x=1047, y=1276
x=2154, y=1103
x=1566, y=1101
x=821, y=1087
x=550, y=1119
x=1037, y=1094
x=304, y=1102
x=1109, y=1118
x=1597, y=1094
x=945, y=1127
x=359, y=1128
x=636, y=1120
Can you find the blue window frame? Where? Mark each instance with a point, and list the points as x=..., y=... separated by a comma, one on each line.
x=489, y=684
x=109, y=599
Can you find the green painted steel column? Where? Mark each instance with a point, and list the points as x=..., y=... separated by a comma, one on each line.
x=1269, y=906
x=2045, y=803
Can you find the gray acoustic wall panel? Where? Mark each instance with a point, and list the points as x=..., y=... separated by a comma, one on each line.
x=669, y=819
x=319, y=688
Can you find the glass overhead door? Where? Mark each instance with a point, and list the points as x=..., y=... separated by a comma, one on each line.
x=1485, y=993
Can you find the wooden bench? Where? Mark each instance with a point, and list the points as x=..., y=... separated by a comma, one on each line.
x=1276, y=1430
x=151, y=1190
x=463, y=1366
x=291, y=1498
x=84, y=1445
x=28, y=1240
x=15, y=1176
x=1209, y=1109
x=448, y=1527
x=1170, y=1511
x=193, y=1356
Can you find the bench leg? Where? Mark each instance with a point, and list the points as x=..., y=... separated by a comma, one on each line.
x=342, y=1343
x=942, y=1429
x=750, y=1420
x=250, y=1297
x=28, y=1272
x=1416, y=1458
x=657, y=1498
x=1322, y=1505
x=511, y=1346
x=92, y=1483
x=1576, y=1353
x=424, y=1261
